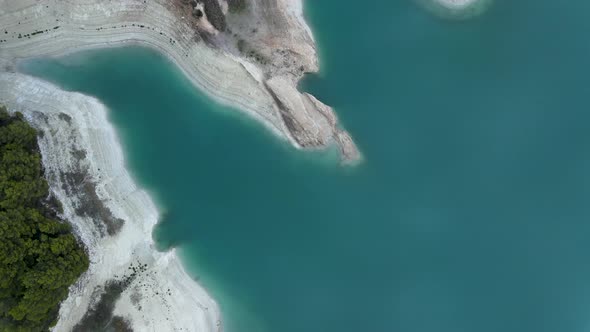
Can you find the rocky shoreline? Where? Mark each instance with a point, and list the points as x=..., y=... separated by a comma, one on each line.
x=261, y=53
x=84, y=166
x=248, y=54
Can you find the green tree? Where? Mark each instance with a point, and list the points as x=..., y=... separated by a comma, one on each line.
x=39, y=256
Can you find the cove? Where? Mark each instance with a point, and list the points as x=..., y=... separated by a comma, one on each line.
x=470, y=212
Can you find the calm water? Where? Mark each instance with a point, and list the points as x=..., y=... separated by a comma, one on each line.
x=470, y=214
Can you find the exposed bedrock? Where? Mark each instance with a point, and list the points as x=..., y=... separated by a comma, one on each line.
x=312, y=123
x=234, y=50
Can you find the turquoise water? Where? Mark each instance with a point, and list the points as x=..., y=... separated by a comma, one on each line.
x=469, y=214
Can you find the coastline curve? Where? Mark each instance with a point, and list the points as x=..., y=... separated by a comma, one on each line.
x=216, y=67
x=78, y=139
x=82, y=156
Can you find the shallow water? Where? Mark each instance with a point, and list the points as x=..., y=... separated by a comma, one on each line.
x=470, y=212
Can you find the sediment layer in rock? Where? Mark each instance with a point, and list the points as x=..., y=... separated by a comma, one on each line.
x=229, y=49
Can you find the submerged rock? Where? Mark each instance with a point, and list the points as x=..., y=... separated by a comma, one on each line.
x=456, y=9
x=247, y=43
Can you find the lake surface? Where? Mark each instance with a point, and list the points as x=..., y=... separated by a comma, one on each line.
x=470, y=213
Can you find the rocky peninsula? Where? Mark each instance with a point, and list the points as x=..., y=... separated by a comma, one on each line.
x=249, y=54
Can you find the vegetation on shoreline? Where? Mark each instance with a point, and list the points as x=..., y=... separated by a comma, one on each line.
x=39, y=256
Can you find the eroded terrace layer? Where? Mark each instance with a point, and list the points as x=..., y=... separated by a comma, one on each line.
x=249, y=54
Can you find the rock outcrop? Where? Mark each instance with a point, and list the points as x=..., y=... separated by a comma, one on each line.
x=233, y=50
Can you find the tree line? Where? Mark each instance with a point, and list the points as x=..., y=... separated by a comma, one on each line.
x=39, y=256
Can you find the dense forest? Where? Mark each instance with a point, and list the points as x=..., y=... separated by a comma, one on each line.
x=39, y=256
